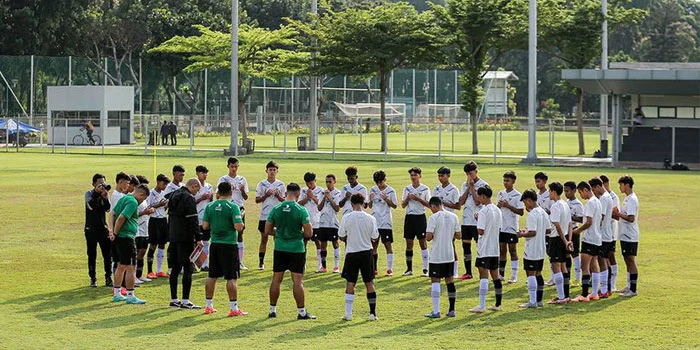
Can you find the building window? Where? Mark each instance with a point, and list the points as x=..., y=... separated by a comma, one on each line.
x=667, y=112
x=650, y=111
x=685, y=112
x=75, y=118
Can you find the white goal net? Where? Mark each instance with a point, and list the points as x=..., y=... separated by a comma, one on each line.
x=371, y=110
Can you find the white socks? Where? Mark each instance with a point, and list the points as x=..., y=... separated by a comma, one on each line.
x=577, y=268
x=318, y=258
x=532, y=289
x=435, y=295
x=241, y=252
x=456, y=268
x=160, y=255
x=349, y=299
x=234, y=305
x=613, y=277
x=210, y=303
x=424, y=255
x=629, y=278
x=390, y=261
x=336, y=255
x=205, y=248
x=273, y=308
x=483, y=290
x=559, y=282
x=302, y=311
x=604, y=281
x=514, y=268
x=595, y=280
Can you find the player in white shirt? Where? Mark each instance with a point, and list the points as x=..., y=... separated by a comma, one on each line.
x=145, y=212
x=545, y=203
x=178, y=177
x=202, y=199
x=591, y=242
x=443, y=228
x=576, y=209
x=629, y=233
x=534, y=233
x=449, y=196
x=612, y=262
x=511, y=210
x=157, y=227
x=352, y=187
x=469, y=201
x=489, y=223
x=382, y=198
x=358, y=230
x=415, y=199
x=606, y=233
x=328, y=208
x=269, y=192
x=559, y=242
x=239, y=185
x=310, y=197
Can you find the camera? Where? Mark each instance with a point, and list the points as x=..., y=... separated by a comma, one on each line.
x=106, y=187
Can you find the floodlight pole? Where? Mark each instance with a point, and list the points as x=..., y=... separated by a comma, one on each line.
x=532, y=84
x=313, y=139
x=604, y=98
x=233, y=147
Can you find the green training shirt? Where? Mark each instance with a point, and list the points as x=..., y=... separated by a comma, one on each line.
x=289, y=218
x=221, y=216
x=129, y=208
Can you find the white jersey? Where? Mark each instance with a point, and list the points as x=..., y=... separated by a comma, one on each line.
x=448, y=194
x=510, y=219
x=143, y=220
x=606, y=204
x=629, y=231
x=172, y=187
x=535, y=246
x=359, y=188
x=153, y=199
x=545, y=203
x=470, y=207
x=203, y=189
x=360, y=229
x=270, y=201
x=414, y=207
x=594, y=211
x=116, y=196
x=576, y=209
x=236, y=182
x=560, y=213
x=614, y=223
x=328, y=217
x=310, y=205
x=443, y=226
x=380, y=209
x=490, y=220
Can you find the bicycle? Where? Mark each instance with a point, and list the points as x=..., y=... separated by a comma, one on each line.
x=82, y=139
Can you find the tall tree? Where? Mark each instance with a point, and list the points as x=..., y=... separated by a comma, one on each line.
x=671, y=32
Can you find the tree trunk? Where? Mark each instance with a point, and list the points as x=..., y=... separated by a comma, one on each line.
x=475, y=123
x=242, y=119
x=579, y=121
x=382, y=112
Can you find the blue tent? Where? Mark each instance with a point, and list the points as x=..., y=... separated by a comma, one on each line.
x=13, y=125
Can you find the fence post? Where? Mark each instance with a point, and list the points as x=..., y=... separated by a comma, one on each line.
x=285, y=142
x=495, y=138
x=359, y=129
x=53, y=135
x=274, y=132
x=191, y=134
x=551, y=140
x=103, y=137
x=405, y=137
x=440, y=142
x=333, y=153
x=500, y=145
x=147, y=136
x=65, y=141
x=386, y=135
x=7, y=136
x=17, y=135
x=453, y=136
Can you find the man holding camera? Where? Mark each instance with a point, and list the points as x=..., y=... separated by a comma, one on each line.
x=96, y=206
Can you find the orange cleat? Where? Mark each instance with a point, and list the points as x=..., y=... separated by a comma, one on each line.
x=240, y=312
x=580, y=299
x=162, y=274
x=593, y=297
x=152, y=275
x=209, y=310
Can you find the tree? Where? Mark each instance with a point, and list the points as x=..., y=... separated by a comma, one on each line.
x=263, y=53
x=671, y=32
x=372, y=41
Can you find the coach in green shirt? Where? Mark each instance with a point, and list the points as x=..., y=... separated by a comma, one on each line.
x=293, y=224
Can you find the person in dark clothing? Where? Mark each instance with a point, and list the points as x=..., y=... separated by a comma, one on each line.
x=184, y=235
x=96, y=206
x=172, y=128
x=164, y=131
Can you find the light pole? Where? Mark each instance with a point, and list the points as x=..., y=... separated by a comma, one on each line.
x=532, y=84
x=313, y=105
x=604, y=98
x=233, y=147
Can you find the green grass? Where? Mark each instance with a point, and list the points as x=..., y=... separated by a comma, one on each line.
x=46, y=302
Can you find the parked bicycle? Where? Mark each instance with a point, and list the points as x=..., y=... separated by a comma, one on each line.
x=83, y=139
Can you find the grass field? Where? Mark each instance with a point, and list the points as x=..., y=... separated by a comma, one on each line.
x=46, y=302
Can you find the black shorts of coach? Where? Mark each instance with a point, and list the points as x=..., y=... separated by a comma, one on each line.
x=556, y=250
x=629, y=248
x=606, y=248
x=179, y=253
x=283, y=261
x=414, y=226
x=533, y=265
x=386, y=235
x=223, y=261
x=126, y=250
x=590, y=249
x=470, y=232
x=358, y=263
x=489, y=262
x=206, y=234
x=158, y=231
x=327, y=234
x=141, y=243
x=508, y=238
x=441, y=270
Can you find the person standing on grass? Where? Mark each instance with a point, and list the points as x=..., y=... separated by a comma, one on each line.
x=382, y=198
x=545, y=203
x=184, y=235
x=629, y=233
x=96, y=207
x=358, y=230
x=559, y=242
x=576, y=209
x=145, y=212
x=615, y=226
x=328, y=207
x=533, y=257
x=172, y=130
x=269, y=192
x=157, y=227
x=449, y=196
x=608, y=244
x=352, y=187
x=310, y=197
x=203, y=198
x=164, y=132
x=121, y=189
x=223, y=219
x=511, y=208
x=125, y=228
x=592, y=240
x=292, y=224
x=239, y=186
x=415, y=199
x=443, y=229
x=489, y=223
x=469, y=201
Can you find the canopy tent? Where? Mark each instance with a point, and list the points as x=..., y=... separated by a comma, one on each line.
x=12, y=126
x=371, y=110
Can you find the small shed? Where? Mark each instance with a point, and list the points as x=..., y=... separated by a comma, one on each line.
x=109, y=108
x=496, y=87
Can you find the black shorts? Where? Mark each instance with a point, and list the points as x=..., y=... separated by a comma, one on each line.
x=489, y=263
x=386, y=235
x=533, y=265
x=508, y=238
x=223, y=261
x=113, y=250
x=607, y=248
x=629, y=248
x=206, y=234
x=590, y=249
x=294, y=262
x=556, y=250
x=126, y=250
x=179, y=253
x=356, y=263
x=314, y=234
x=470, y=233
x=158, y=231
x=141, y=242
x=414, y=226
x=327, y=234
x=576, y=239
x=442, y=270
x=261, y=226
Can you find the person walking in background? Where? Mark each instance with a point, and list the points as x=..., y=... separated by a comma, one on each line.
x=172, y=130
x=164, y=131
